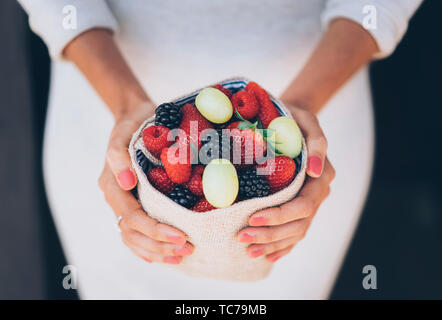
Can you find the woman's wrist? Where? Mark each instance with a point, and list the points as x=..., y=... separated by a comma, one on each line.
x=343, y=50
x=298, y=103
x=134, y=103
x=98, y=57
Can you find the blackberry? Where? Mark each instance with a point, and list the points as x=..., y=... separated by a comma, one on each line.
x=208, y=137
x=134, y=192
x=142, y=161
x=252, y=185
x=183, y=197
x=298, y=161
x=168, y=115
x=235, y=90
x=210, y=146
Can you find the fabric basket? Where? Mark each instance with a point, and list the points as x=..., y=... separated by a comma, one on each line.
x=217, y=253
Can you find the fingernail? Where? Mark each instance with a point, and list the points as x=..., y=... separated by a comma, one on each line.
x=147, y=260
x=246, y=237
x=176, y=239
x=172, y=260
x=256, y=253
x=258, y=221
x=183, y=251
x=127, y=179
x=274, y=259
x=314, y=165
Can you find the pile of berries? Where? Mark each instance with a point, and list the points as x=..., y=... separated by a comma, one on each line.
x=231, y=128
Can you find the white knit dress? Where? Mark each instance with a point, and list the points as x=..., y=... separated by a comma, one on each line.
x=174, y=47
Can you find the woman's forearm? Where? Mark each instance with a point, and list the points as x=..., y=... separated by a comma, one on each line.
x=99, y=59
x=343, y=50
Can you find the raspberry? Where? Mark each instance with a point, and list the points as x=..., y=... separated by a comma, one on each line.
x=177, y=167
x=267, y=111
x=192, y=120
x=279, y=172
x=195, y=183
x=226, y=91
x=245, y=104
x=202, y=206
x=155, y=139
x=159, y=179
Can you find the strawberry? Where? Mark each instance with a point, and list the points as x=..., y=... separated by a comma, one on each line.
x=155, y=139
x=267, y=111
x=186, y=144
x=195, y=183
x=176, y=163
x=279, y=172
x=202, y=206
x=245, y=104
x=226, y=91
x=159, y=179
x=193, y=123
x=247, y=142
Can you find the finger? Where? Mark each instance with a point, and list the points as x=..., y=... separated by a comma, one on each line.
x=125, y=205
x=329, y=171
x=299, y=208
x=275, y=233
x=138, y=220
x=137, y=239
x=118, y=155
x=313, y=193
x=315, y=140
x=304, y=205
x=154, y=257
x=257, y=250
x=275, y=256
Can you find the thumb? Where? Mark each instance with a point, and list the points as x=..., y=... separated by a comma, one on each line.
x=118, y=154
x=315, y=141
x=317, y=150
x=316, y=155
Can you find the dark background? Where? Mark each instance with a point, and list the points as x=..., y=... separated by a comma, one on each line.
x=400, y=231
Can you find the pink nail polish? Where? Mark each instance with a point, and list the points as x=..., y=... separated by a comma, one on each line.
x=245, y=237
x=176, y=239
x=258, y=221
x=256, y=253
x=314, y=165
x=184, y=251
x=274, y=259
x=147, y=260
x=172, y=260
x=127, y=179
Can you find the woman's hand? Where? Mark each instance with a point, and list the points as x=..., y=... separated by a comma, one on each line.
x=345, y=47
x=146, y=237
x=274, y=232
x=96, y=54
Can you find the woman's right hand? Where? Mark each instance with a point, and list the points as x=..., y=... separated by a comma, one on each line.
x=146, y=237
x=96, y=54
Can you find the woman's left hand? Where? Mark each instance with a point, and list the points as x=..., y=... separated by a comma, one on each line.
x=273, y=232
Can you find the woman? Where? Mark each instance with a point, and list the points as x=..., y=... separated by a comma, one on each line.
x=137, y=54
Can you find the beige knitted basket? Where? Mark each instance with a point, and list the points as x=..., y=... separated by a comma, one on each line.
x=217, y=253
